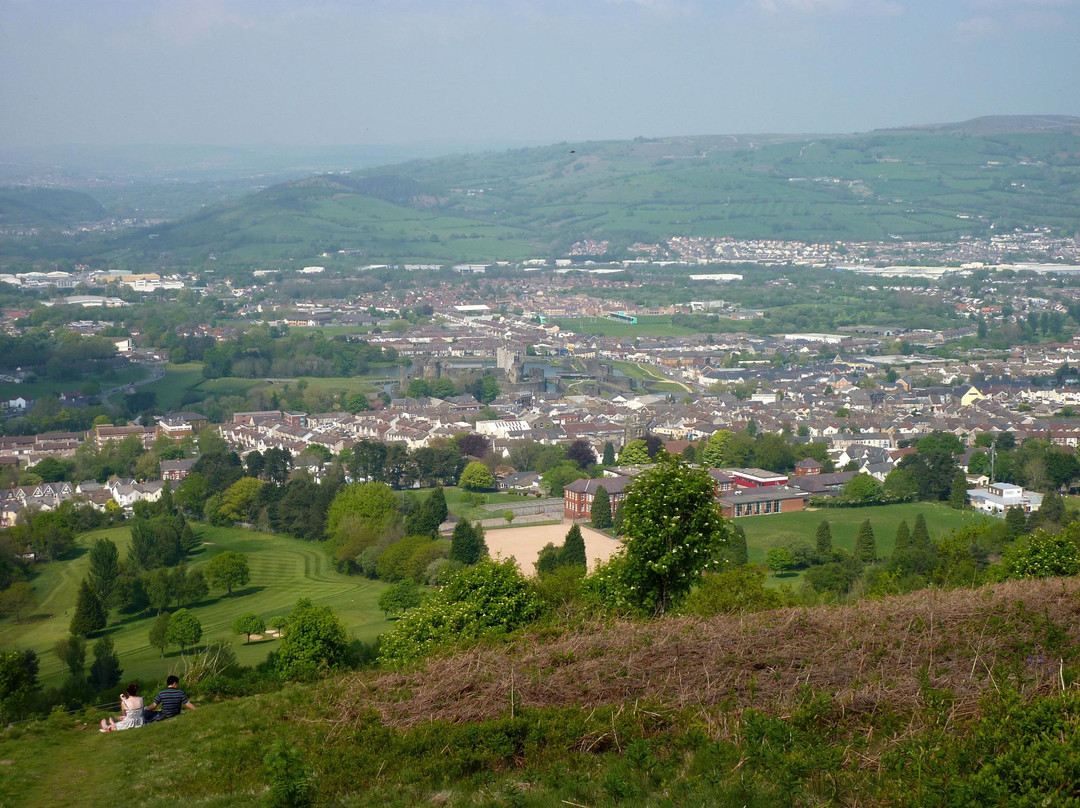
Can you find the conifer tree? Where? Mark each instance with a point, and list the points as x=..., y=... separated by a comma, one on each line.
x=105, y=672
x=903, y=537
x=89, y=613
x=609, y=454
x=1015, y=524
x=466, y=544
x=866, y=544
x=823, y=542
x=920, y=534
x=958, y=492
x=601, y=509
x=573, y=551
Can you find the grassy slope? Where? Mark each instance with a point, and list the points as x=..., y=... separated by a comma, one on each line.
x=509, y=205
x=620, y=713
x=282, y=570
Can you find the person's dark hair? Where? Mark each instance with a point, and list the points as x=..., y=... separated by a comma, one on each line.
x=133, y=689
x=172, y=680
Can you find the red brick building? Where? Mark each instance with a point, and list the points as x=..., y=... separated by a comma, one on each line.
x=578, y=495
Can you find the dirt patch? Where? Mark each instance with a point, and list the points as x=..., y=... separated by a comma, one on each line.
x=523, y=544
x=887, y=652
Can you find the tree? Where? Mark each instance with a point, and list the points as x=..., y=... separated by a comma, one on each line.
x=18, y=681
x=601, y=509
x=903, y=537
x=920, y=534
x=371, y=504
x=573, y=551
x=89, y=613
x=105, y=673
x=476, y=477
x=779, y=559
x=276, y=465
x=735, y=553
x=184, y=629
x=1052, y=510
x=635, y=453
x=401, y=597
x=823, y=542
x=580, y=452
x=1015, y=524
x=71, y=651
x=104, y=569
x=159, y=632
x=247, y=624
x=466, y=543
x=865, y=543
x=472, y=444
x=713, y=455
x=238, y=503
x=609, y=454
x=958, y=494
x=673, y=532
x=862, y=489
x=228, y=570
x=314, y=640
x=16, y=599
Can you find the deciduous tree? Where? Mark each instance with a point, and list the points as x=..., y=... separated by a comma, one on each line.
x=673, y=532
x=228, y=570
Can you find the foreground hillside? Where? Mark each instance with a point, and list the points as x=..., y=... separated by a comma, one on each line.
x=934, y=184
x=963, y=697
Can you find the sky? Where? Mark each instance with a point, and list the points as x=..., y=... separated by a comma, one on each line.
x=367, y=72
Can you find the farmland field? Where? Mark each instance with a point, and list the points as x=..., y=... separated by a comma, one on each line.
x=282, y=570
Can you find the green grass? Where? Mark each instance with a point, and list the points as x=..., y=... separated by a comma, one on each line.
x=648, y=325
x=763, y=531
x=282, y=570
x=178, y=379
x=44, y=387
x=458, y=505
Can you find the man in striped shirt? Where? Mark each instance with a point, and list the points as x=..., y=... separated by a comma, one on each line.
x=169, y=702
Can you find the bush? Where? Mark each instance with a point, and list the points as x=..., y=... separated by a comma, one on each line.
x=314, y=641
x=490, y=597
x=735, y=591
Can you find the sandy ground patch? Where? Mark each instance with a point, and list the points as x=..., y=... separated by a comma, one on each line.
x=523, y=544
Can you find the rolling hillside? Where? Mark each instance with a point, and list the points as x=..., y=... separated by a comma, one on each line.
x=932, y=183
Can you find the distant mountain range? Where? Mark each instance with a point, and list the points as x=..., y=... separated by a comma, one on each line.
x=937, y=182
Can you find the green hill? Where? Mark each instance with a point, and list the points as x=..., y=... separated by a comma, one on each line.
x=282, y=570
x=47, y=207
x=963, y=697
x=922, y=183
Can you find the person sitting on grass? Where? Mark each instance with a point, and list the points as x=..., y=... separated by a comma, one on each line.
x=169, y=702
x=132, y=704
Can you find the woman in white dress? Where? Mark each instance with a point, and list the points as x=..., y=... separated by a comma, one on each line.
x=133, y=706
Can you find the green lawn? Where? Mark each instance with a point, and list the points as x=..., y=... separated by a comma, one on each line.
x=763, y=531
x=458, y=505
x=178, y=379
x=648, y=325
x=282, y=570
x=49, y=386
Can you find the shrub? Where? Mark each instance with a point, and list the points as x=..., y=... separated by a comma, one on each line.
x=490, y=597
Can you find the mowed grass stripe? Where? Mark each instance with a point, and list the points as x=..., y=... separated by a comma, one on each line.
x=282, y=571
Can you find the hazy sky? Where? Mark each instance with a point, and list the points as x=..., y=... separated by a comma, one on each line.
x=402, y=71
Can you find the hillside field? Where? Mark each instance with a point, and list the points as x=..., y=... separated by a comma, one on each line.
x=763, y=531
x=282, y=570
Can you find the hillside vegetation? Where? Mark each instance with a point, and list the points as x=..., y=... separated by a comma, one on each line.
x=915, y=184
x=959, y=697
